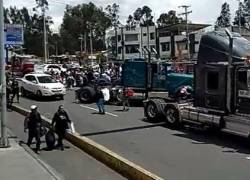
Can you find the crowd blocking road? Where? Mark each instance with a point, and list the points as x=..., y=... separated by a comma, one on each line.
x=172, y=154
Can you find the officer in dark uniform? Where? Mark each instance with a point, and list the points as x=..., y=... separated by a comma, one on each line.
x=60, y=120
x=15, y=90
x=33, y=122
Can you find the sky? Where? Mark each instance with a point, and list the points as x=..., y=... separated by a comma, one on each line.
x=203, y=11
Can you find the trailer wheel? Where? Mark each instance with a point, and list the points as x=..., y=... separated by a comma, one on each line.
x=86, y=94
x=153, y=110
x=172, y=115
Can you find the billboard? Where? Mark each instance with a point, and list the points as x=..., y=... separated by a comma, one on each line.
x=13, y=34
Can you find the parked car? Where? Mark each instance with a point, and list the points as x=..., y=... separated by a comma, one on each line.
x=57, y=68
x=41, y=85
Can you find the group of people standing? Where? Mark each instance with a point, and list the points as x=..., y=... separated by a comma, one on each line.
x=34, y=124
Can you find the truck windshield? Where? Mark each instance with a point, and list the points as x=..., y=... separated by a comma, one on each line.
x=46, y=79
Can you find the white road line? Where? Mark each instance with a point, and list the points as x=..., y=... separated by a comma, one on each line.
x=87, y=107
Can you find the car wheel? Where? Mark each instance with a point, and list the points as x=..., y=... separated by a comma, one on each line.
x=39, y=94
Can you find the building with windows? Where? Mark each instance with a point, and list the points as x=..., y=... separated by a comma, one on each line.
x=163, y=42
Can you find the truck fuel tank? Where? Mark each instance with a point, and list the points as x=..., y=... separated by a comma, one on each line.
x=192, y=114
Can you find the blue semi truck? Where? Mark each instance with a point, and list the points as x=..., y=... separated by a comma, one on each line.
x=158, y=82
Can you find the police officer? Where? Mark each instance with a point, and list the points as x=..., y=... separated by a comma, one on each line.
x=15, y=90
x=33, y=123
x=60, y=120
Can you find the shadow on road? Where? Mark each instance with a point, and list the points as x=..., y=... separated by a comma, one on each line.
x=42, y=99
x=122, y=130
x=230, y=143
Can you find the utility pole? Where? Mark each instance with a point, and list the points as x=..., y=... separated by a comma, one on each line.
x=122, y=43
x=186, y=13
x=91, y=46
x=81, y=38
x=56, y=48
x=85, y=42
x=4, y=140
x=44, y=35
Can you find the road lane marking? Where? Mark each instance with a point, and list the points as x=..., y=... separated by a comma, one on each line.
x=87, y=107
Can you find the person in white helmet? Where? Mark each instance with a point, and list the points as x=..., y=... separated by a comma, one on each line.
x=33, y=122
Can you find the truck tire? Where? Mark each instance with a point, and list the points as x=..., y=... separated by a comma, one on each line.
x=153, y=110
x=172, y=115
x=86, y=94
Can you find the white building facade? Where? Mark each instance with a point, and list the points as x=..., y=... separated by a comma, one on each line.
x=155, y=39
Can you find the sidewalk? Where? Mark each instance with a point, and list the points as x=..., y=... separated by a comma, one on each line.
x=18, y=163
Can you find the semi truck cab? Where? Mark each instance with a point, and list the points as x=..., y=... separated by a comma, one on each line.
x=221, y=100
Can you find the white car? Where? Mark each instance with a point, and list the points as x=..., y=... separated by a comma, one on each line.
x=57, y=68
x=41, y=85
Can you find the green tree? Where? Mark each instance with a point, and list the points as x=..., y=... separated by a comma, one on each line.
x=169, y=18
x=33, y=27
x=143, y=16
x=113, y=14
x=79, y=20
x=240, y=15
x=224, y=20
x=130, y=23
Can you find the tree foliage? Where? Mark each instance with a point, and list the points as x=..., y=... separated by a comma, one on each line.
x=143, y=16
x=130, y=23
x=113, y=14
x=242, y=14
x=33, y=28
x=81, y=19
x=224, y=20
x=169, y=18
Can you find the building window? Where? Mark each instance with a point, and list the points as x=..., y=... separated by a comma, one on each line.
x=130, y=49
x=152, y=36
x=131, y=37
x=144, y=34
x=212, y=81
x=165, y=46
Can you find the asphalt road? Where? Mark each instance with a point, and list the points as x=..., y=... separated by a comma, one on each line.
x=182, y=154
x=72, y=163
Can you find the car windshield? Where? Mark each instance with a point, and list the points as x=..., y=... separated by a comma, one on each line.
x=46, y=79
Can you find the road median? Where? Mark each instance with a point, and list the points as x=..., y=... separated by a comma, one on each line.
x=121, y=165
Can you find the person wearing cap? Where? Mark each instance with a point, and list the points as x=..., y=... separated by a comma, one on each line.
x=33, y=122
x=60, y=120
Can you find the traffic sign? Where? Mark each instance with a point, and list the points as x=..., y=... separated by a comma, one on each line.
x=13, y=34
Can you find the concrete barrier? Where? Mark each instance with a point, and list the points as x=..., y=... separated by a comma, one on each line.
x=121, y=165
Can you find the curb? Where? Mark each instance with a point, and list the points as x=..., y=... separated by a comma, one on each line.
x=121, y=165
x=53, y=173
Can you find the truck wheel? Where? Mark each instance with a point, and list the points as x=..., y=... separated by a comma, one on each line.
x=153, y=110
x=119, y=95
x=172, y=115
x=86, y=95
x=23, y=92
